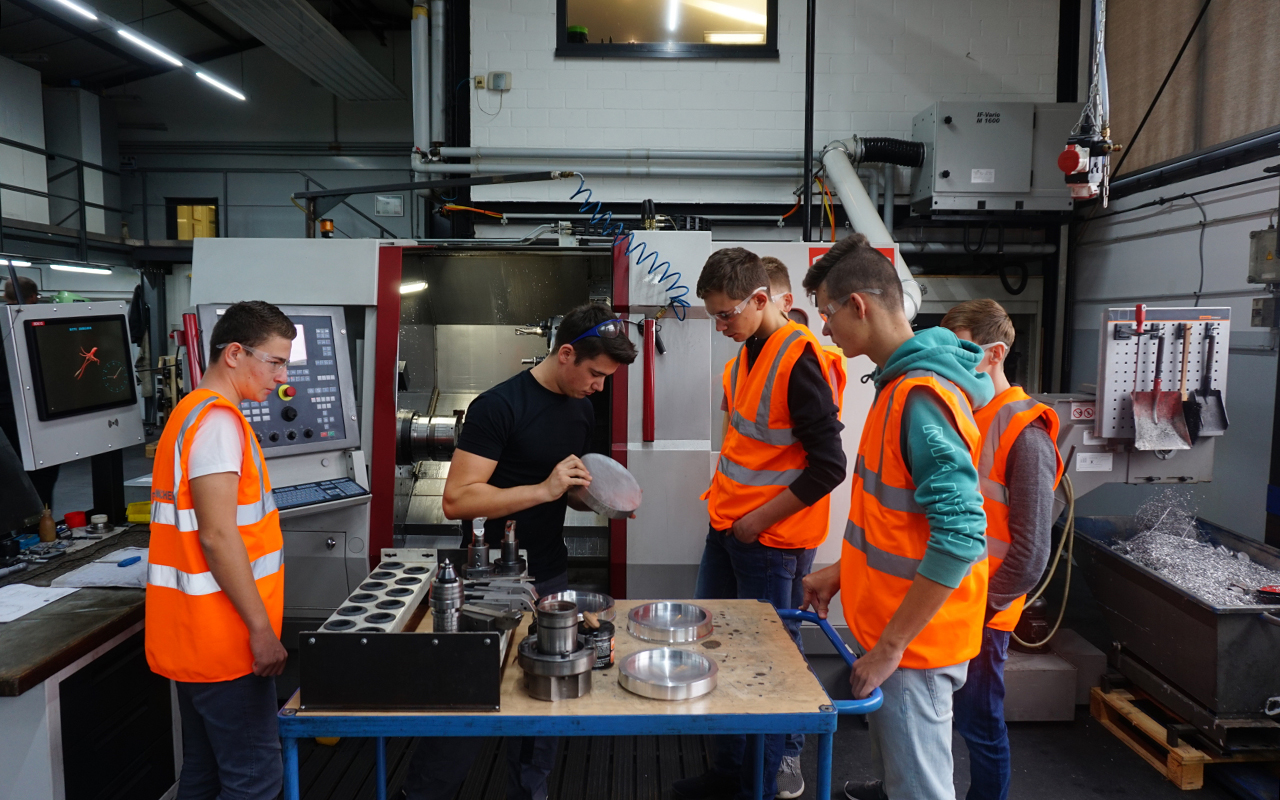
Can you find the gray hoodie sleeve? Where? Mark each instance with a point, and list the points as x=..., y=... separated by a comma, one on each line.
x=1029, y=474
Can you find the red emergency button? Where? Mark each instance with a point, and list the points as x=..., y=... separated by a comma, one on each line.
x=286, y=392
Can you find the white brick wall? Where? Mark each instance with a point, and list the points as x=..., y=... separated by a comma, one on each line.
x=879, y=62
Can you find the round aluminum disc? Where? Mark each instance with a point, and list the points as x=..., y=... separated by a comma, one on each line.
x=669, y=622
x=613, y=492
x=668, y=673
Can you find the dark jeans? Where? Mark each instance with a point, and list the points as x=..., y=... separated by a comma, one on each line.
x=733, y=570
x=979, y=710
x=230, y=742
x=440, y=764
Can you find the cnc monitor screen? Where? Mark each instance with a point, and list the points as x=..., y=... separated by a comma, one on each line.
x=313, y=413
x=80, y=365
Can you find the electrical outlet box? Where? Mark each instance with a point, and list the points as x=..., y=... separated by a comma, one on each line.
x=499, y=81
x=1264, y=265
x=479, y=81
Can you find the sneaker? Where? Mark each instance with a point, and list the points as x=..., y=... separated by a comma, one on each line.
x=870, y=790
x=707, y=786
x=790, y=781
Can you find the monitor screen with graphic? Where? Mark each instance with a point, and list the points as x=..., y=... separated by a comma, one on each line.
x=80, y=365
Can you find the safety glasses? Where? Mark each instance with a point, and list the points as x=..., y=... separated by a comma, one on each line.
x=829, y=310
x=276, y=364
x=609, y=329
x=725, y=316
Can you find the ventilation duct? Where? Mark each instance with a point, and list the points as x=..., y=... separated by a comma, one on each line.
x=296, y=32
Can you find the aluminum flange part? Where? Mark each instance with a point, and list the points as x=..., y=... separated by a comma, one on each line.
x=556, y=677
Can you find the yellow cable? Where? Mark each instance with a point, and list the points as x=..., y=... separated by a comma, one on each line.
x=1068, y=540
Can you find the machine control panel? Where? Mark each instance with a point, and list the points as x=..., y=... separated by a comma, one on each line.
x=314, y=408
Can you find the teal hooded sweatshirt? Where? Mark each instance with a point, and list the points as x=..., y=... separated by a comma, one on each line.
x=945, y=477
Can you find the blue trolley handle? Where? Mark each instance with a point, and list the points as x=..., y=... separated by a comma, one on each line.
x=864, y=706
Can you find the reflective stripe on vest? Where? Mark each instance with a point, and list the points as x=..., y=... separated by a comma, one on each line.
x=991, y=488
x=892, y=497
x=756, y=477
x=192, y=583
x=759, y=429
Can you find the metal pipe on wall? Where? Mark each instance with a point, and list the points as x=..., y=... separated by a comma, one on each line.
x=620, y=154
x=420, y=60
x=437, y=72
x=615, y=171
x=864, y=216
x=890, y=179
x=958, y=249
x=806, y=189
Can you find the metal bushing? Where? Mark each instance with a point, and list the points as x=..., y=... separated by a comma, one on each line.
x=556, y=677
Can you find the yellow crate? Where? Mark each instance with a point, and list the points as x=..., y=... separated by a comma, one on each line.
x=140, y=511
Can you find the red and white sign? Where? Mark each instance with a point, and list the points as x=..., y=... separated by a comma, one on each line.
x=815, y=253
x=1082, y=411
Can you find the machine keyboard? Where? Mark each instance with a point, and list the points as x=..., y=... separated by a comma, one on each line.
x=307, y=494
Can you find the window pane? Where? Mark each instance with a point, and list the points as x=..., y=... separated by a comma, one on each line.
x=723, y=22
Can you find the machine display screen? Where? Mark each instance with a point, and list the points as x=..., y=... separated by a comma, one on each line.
x=80, y=365
x=307, y=408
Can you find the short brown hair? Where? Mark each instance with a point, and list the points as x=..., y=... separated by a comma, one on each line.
x=736, y=271
x=851, y=265
x=779, y=275
x=249, y=323
x=584, y=318
x=30, y=292
x=986, y=321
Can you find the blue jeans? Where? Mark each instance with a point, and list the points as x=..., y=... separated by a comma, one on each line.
x=230, y=741
x=911, y=733
x=731, y=570
x=979, y=710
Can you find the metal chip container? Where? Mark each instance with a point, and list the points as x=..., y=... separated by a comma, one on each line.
x=1216, y=666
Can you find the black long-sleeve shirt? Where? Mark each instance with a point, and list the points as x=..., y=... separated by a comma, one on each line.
x=815, y=421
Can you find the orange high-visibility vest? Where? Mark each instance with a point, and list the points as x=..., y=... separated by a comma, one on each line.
x=761, y=456
x=888, y=533
x=1001, y=421
x=193, y=633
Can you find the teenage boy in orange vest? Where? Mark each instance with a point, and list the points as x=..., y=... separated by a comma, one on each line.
x=781, y=457
x=912, y=574
x=215, y=577
x=1019, y=468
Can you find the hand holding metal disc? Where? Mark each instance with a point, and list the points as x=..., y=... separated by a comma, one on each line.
x=613, y=492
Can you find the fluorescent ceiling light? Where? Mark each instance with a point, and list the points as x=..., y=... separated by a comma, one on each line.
x=20, y=263
x=731, y=11
x=732, y=37
x=220, y=85
x=413, y=286
x=90, y=270
x=79, y=9
x=149, y=47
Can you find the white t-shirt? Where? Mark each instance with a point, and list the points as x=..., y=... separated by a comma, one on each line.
x=218, y=446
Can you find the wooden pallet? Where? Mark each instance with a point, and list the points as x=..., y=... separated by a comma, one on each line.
x=1183, y=764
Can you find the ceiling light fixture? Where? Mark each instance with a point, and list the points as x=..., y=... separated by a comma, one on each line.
x=138, y=40
x=219, y=85
x=413, y=286
x=149, y=47
x=79, y=9
x=90, y=270
x=20, y=263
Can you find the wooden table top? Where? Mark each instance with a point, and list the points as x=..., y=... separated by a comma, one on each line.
x=760, y=672
x=38, y=644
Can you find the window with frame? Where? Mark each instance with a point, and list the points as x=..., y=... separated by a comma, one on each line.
x=667, y=29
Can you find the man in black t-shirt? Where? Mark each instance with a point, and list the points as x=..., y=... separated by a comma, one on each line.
x=519, y=453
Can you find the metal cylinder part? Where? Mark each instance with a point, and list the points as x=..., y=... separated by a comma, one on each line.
x=510, y=563
x=557, y=627
x=446, y=599
x=478, y=554
x=423, y=438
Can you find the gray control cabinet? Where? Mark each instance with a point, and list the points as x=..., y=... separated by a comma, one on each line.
x=991, y=156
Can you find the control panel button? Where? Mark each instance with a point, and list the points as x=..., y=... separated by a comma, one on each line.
x=273, y=436
x=289, y=413
x=308, y=433
x=286, y=392
x=291, y=435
